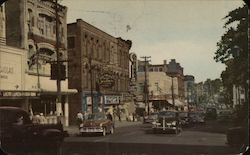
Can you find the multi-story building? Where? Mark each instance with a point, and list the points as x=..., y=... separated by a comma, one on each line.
x=175, y=70
x=94, y=54
x=31, y=26
x=189, y=89
x=159, y=86
x=2, y=25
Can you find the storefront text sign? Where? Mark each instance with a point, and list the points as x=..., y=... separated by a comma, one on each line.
x=106, y=81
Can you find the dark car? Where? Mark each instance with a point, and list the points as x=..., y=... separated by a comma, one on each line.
x=196, y=118
x=167, y=121
x=150, y=118
x=211, y=114
x=97, y=123
x=18, y=131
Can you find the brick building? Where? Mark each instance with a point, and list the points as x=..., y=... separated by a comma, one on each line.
x=93, y=53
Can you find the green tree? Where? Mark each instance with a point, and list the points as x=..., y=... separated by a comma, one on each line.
x=232, y=50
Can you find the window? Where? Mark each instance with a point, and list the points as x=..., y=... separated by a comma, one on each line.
x=71, y=42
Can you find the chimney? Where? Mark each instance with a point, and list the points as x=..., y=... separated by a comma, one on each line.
x=165, y=62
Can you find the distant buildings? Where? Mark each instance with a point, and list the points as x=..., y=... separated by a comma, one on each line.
x=160, y=82
x=189, y=88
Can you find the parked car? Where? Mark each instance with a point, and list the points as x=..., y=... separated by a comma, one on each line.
x=18, y=131
x=167, y=121
x=184, y=119
x=211, y=114
x=225, y=116
x=196, y=117
x=97, y=123
x=150, y=118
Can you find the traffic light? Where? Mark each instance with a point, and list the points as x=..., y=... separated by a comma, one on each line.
x=54, y=71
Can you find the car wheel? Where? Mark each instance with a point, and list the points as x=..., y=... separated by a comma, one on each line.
x=104, y=132
x=111, y=130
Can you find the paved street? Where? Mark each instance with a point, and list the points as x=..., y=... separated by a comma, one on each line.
x=138, y=137
x=135, y=138
x=142, y=133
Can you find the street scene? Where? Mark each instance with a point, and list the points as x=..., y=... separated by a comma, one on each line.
x=138, y=77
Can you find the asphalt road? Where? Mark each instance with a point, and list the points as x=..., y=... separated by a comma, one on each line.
x=208, y=139
x=143, y=133
x=139, y=139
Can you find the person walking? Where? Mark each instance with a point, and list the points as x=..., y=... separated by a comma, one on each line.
x=109, y=116
x=79, y=118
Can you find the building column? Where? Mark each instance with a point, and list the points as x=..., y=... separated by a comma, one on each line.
x=66, y=110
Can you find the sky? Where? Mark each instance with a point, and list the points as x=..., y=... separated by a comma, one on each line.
x=185, y=30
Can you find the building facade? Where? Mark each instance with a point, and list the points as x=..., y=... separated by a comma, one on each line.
x=189, y=89
x=160, y=86
x=2, y=25
x=175, y=70
x=93, y=55
x=31, y=26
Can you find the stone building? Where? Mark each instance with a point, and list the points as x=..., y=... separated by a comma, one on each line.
x=94, y=54
x=31, y=26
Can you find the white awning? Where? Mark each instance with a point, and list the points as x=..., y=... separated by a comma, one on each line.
x=177, y=102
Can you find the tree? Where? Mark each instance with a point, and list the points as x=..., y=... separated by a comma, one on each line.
x=232, y=48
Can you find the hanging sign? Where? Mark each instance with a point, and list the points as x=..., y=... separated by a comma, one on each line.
x=106, y=81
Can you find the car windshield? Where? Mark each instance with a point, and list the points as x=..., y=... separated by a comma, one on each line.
x=167, y=114
x=97, y=116
x=183, y=114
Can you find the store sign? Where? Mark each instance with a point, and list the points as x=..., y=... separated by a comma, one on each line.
x=10, y=71
x=106, y=81
x=111, y=99
x=16, y=94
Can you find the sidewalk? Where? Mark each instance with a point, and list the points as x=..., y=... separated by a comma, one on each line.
x=74, y=130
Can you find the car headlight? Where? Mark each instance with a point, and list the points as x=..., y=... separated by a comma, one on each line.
x=173, y=123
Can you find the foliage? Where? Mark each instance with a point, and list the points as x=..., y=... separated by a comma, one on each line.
x=233, y=47
x=232, y=50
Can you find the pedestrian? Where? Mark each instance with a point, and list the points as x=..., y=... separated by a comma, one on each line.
x=109, y=116
x=119, y=114
x=79, y=118
x=42, y=119
x=36, y=119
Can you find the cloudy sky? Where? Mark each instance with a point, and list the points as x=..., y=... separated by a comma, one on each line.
x=185, y=30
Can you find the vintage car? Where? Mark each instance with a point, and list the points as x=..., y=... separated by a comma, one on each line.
x=150, y=118
x=196, y=117
x=184, y=119
x=167, y=121
x=18, y=131
x=97, y=123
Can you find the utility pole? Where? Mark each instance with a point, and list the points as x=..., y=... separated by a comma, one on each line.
x=146, y=60
x=58, y=62
x=172, y=90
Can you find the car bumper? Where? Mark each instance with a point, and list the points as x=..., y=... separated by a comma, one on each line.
x=91, y=130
